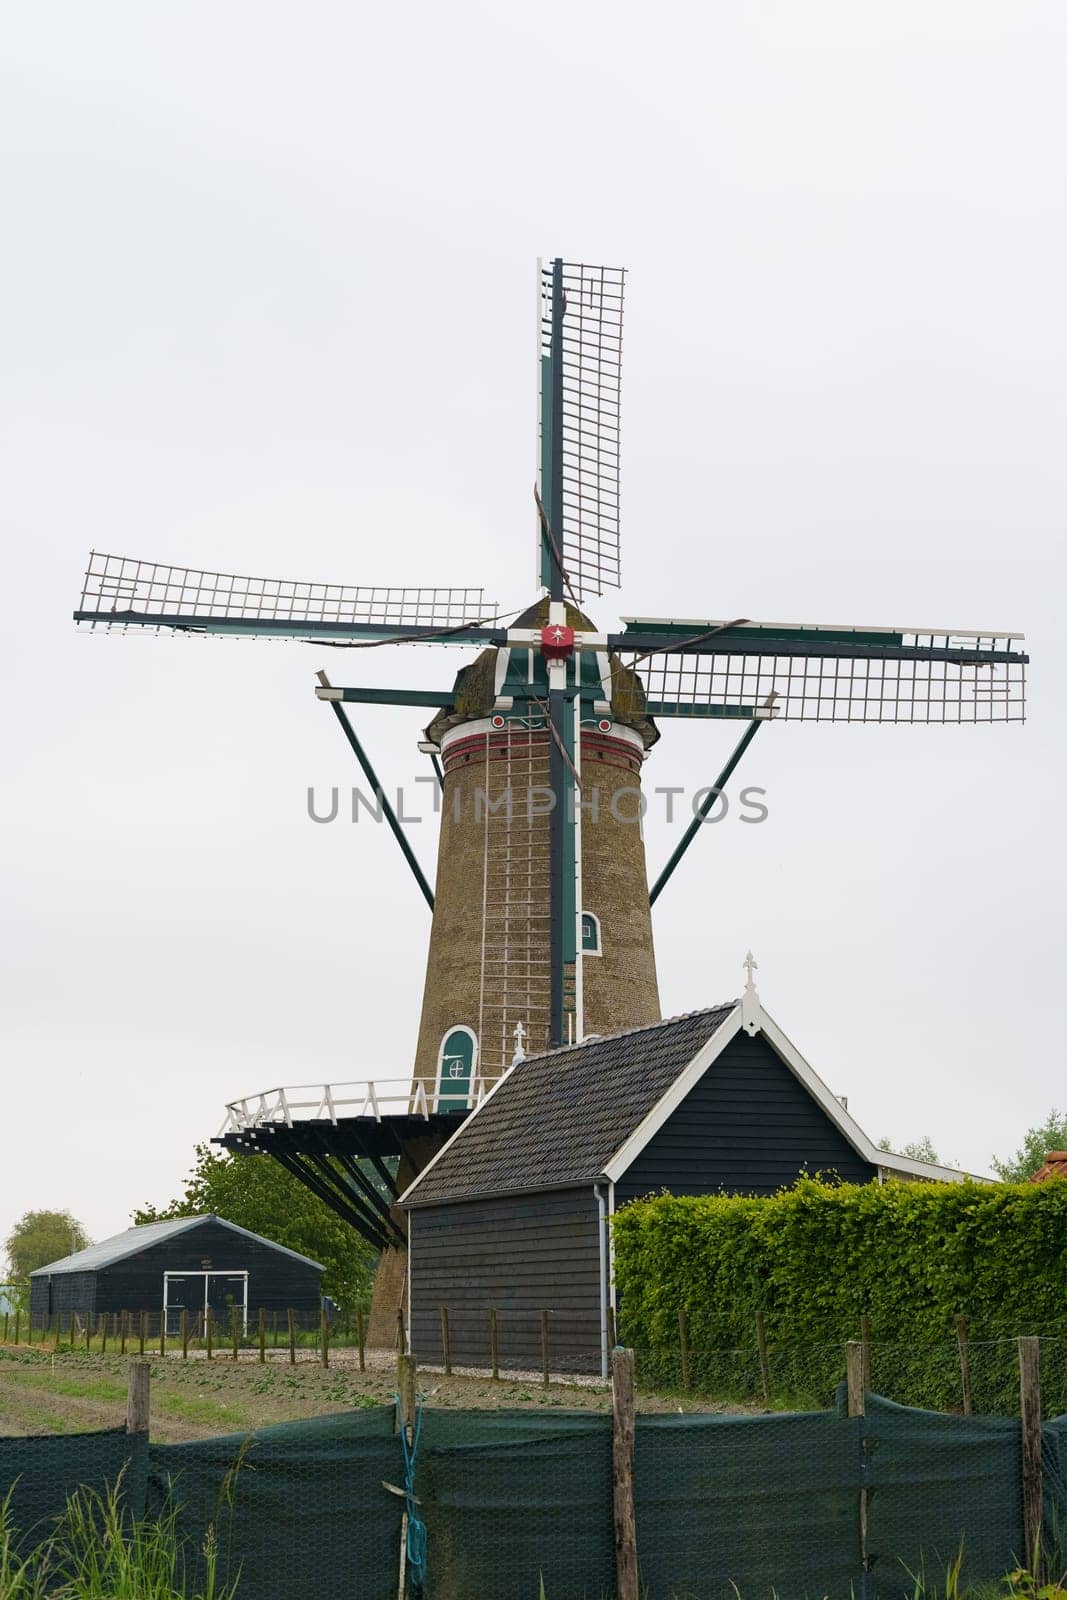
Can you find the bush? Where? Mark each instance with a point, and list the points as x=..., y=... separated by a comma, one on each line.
x=813, y=1258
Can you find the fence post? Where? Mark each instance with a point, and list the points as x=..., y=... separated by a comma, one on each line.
x=683, y=1345
x=163, y=1332
x=406, y=1387
x=124, y=1330
x=446, y=1342
x=324, y=1323
x=544, y=1348
x=291, y=1317
x=262, y=1330
x=764, y=1364
x=609, y=1318
x=857, y=1407
x=1033, y=1493
x=209, y=1332
x=865, y=1342
x=622, y=1473
x=137, y=1396
x=406, y=1384
x=184, y=1330
x=361, y=1339
x=142, y=1332
x=6, y=1316
x=29, y=1327
x=854, y=1368
x=103, y=1334
x=964, y=1343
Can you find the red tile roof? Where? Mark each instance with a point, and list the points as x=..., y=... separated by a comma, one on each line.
x=1055, y=1166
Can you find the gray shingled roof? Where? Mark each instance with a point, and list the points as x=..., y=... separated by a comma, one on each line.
x=558, y=1118
x=134, y=1240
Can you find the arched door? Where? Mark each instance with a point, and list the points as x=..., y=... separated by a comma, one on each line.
x=455, y=1070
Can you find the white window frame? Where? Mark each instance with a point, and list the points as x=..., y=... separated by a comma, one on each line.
x=599, y=951
x=205, y=1273
x=457, y=1027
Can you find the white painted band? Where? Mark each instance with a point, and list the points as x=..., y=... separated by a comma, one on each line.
x=481, y=725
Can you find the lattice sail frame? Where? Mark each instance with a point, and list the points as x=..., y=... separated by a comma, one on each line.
x=120, y=591
x=857, y=675
x=590, y=354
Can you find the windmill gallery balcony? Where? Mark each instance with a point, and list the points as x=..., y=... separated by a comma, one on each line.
x=335, y=1102
x=357, y=1144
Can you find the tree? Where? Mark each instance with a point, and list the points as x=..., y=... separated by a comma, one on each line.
x=255, y=1192
x=919, y=1149
x=41, y=1237
x=1037, y=1142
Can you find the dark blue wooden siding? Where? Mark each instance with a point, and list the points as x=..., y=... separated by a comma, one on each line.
x=276, y=1280
x=748, y=1127
x=519, y=1254
x=67, y=1292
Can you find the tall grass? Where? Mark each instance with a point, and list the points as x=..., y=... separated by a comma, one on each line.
x=98, y=1552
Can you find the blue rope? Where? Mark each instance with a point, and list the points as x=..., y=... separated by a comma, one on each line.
x=416, y=1539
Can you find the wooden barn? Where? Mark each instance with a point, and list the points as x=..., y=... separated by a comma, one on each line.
x=512, y=1214
x=190, y=1264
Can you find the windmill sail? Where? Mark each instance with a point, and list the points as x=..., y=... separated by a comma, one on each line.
x=579, y=377
x=822, y=674
x=123, y=592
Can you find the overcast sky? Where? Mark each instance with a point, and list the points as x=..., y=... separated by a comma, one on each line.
x=267, y=307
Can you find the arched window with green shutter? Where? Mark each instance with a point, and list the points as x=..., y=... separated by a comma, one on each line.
x=590, y=934
x=455, y=1070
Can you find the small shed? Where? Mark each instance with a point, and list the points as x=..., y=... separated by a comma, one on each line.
x=513, y=1213
x=189, y=1264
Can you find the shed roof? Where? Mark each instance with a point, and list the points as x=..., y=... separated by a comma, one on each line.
x=134, y=1240
x=573, y=1116
x=583, y=1102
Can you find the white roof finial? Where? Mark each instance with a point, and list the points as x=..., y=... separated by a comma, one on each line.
x=751, y=1010
x=520, y=1035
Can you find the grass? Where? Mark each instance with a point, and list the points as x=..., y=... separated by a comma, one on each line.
x=42, y=1391
x=98, y=1553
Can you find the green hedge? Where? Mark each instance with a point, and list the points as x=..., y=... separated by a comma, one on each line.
x=814, y=1258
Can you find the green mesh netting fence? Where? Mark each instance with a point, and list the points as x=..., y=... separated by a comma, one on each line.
x=727, y=1506
x=298, y=1508
x=708, y=1516
x=39, y=1474
x=939, y=1486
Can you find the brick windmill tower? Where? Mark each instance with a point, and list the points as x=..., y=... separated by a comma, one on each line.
x=541, y=930
x=490, y=964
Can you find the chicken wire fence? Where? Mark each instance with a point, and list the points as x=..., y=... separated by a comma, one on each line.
x=976, y=1376
x=790, y=1504
x=230, y=1331
x=967, y=1373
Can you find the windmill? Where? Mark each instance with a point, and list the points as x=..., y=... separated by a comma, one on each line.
x=541, y=929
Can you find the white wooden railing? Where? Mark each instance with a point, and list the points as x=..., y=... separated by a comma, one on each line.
x=328, y=1102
